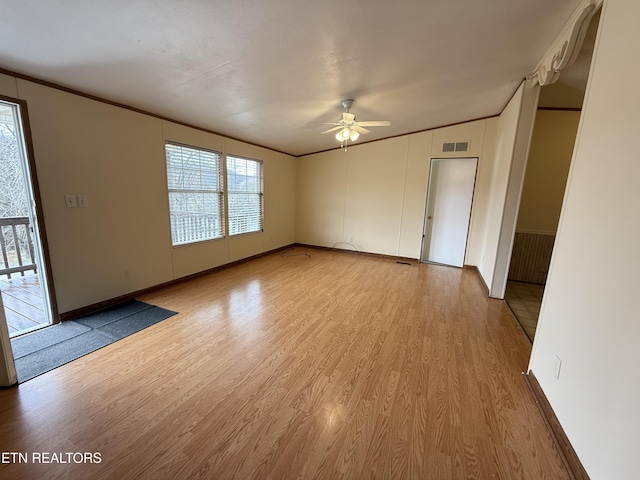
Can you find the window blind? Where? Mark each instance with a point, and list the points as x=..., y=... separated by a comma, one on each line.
x=196, y=202
x=244, y=194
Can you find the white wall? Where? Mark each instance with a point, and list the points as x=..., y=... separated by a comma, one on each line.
x=374, y=194
x=518, y=163
x=506, y=131
x=479, y=209
x=415, y=194
x=589, y=315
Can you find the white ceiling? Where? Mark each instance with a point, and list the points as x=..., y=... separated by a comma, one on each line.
x=260, y=71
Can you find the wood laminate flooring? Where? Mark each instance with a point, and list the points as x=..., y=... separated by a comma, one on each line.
x=330, y=366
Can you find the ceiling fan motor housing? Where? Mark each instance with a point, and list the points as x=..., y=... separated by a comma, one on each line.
x=347, y=104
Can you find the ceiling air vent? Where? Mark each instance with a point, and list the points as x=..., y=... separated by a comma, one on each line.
x=449, y=147
x=455, y=147
x=462, y=146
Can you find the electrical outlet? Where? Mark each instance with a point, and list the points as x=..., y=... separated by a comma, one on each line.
x=557, y=365
x=71, y=201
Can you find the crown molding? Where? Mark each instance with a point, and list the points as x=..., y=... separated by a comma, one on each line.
x=566, y=47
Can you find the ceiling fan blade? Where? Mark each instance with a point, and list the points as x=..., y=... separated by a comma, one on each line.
x=324, y=123
x=359, y=129
x=375, y=123
x=333, y=129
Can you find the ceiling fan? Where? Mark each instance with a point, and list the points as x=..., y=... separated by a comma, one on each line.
x=348, y=128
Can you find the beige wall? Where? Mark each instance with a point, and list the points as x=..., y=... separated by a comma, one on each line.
x=554, y=135
x=589, y=316
x=374, y=194
x=505, y=137
x=116, y=157
x=8, y=86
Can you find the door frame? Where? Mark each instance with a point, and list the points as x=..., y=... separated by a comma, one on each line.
x=40, y=231
x=425, y=241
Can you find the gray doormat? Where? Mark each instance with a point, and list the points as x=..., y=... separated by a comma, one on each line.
x=51, y=347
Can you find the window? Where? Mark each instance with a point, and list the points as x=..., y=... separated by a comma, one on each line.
x=194, y=178
x=244, y=185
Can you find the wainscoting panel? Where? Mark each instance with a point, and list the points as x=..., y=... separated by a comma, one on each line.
x=531, y=257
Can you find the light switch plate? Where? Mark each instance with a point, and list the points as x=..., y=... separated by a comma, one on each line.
x=82, y=201
x=71, y=201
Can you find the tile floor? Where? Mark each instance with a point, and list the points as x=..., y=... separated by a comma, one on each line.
x=525, y=299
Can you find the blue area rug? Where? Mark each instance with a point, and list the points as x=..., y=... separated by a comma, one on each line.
x=51, y=347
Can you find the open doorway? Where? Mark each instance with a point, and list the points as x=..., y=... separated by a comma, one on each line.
x=23, y=281
x=550, y=154
x=545, y=181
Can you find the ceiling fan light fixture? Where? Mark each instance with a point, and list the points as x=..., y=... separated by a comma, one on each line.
x=346, y=134
x=350, y=129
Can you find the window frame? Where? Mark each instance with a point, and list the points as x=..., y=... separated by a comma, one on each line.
x=259, y=193
x=219, y=194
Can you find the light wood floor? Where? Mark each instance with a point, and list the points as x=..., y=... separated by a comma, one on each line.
x=334, y=366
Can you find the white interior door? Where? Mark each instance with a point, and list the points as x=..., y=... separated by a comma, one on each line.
x=451, y=183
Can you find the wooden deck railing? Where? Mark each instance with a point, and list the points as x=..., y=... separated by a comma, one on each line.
x=187, y=227
x=17, y=246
